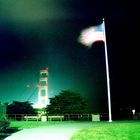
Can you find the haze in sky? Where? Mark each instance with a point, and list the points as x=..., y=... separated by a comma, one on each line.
x=38, y=34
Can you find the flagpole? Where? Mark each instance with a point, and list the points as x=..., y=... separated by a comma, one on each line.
x=107, y=75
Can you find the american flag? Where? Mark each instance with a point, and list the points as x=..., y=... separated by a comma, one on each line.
x=92, y=34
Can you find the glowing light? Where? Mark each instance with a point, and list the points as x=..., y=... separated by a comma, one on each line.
x=28, y=86
x=38, y=105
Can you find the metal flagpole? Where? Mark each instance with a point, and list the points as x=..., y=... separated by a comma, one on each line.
x=107, y=75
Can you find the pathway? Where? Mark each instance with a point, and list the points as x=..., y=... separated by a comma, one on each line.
x=62, y=131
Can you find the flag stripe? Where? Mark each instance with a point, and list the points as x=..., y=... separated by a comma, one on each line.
x=92, y=34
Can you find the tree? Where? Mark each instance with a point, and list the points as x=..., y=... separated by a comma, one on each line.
x=20, y=108
x=67, y=102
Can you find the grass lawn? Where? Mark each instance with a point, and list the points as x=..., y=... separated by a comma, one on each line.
x=33, y=124
x=117, y=130
x=125, y=130
x=26, y=124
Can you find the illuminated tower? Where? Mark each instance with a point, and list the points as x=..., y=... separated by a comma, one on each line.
x=43, y=88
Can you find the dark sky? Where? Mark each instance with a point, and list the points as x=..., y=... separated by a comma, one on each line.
x=35, y=34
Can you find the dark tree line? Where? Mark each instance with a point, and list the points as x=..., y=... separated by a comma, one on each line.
x=67, y=102
x=20, y=108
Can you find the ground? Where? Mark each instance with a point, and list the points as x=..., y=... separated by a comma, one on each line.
x=73, y=130
x=60, y=131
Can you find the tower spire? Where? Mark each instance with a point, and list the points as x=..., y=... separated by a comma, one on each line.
x=42, y=89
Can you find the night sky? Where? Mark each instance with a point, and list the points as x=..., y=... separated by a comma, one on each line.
x=35, y=34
